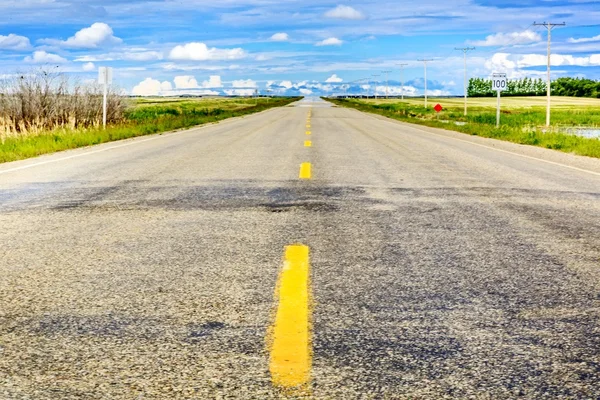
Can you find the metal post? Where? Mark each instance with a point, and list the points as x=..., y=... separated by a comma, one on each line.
x=104, y=102
x=498, y=111
x=387, y=83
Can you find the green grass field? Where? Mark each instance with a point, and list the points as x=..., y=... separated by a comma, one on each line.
x=144, y=116
x=522, y=119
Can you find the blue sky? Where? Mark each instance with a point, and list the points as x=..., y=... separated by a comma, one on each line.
x=306, y=47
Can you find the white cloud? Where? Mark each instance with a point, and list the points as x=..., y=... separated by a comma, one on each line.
x=151, y=87
x=513, y=64
x=344, y=12
x=41, y=57
x=89, y=66
x=185, y=82
x=125, y=55
x=334, y=79
x=14, y=42
x=332, y=41
x=585, y=40
x=287, y=84
x=240, y=92
x=280, y=37
x=505, y=39
x=306, y=92
x=88, y=38
x=195, y=51
x=248, y=83
x=213, y=82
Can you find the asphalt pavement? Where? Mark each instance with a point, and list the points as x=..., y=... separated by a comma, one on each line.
x=439, y=265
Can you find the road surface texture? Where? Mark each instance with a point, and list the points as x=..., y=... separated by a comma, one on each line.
x=441, y=266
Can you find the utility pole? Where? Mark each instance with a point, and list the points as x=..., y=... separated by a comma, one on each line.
x=387, y=83
x=465, y=50
x=425, y=61
x=549, y=26
x=375, y=76
x=402, y=79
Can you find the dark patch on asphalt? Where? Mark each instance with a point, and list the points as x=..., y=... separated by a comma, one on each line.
x=101, y=326
x=203, y=330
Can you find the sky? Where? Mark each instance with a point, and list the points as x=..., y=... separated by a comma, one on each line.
x=290, y=47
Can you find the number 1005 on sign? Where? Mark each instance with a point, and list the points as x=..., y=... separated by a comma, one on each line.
x=499, y=84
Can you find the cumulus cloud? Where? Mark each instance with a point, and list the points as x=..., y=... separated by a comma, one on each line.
x=286, y=84
x=14, y=42
x=334, y=79
x=280, y=37
x=41, y=57
x=98, y=34
x=195, y=51
x=344, y=12
x=513, y=64
x=306, y=92
x=88, y=66
x=214, y=81
x=248, y=83
x=505, y=39
x=332, y=41
x=151, y=87
x=585, y=40
x=185, y=82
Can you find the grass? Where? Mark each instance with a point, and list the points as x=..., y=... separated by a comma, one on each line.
x=522, y=119
x=144, y=117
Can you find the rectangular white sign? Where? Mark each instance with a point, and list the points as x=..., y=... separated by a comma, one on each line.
x=105, y=75
x=499, y=82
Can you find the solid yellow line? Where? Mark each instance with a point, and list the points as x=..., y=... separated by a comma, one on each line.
x=305, y=172
x=307, y=143
x=291, y=358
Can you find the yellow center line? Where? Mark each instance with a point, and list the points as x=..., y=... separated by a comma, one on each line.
x=305, y=170
x=291, y=357
x=308, y=132
x=307, y=143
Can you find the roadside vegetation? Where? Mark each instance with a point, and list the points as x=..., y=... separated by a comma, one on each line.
x=521, y=122
x=565, y=86
x=43, y=113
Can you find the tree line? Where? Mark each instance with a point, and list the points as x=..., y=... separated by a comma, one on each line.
x=575, y=87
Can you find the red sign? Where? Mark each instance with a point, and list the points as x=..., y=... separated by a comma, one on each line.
x=438, y=108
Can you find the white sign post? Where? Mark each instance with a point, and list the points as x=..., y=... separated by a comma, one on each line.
x=499, y=84
x=105, y=75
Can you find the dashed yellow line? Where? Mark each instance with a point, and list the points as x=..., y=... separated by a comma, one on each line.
x=291, y=357
x=305, y=170
x=307, y=143
x=308, y=132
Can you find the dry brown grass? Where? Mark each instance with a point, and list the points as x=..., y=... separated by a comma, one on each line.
x=38, y=102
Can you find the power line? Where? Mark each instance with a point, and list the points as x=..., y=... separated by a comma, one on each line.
x=549, y=26
x=465, y=50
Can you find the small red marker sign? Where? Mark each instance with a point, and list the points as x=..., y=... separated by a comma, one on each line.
x=438, y=108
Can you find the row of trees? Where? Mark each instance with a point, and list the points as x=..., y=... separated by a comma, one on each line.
x=576, y=87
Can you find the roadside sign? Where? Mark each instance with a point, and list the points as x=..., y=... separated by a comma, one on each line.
x=105, y=75
x=438, y=107
x=499, y=82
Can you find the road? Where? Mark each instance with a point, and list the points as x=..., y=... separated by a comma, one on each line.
x=434, y=265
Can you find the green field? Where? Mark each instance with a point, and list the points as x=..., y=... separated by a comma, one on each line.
x=510, y=103
x=144, y=116
x=522, y=120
